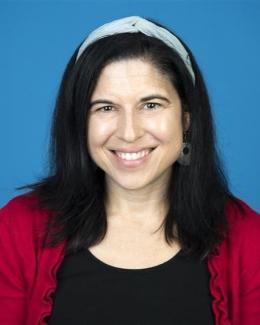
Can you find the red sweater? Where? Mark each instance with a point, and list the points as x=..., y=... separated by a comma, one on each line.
x=28, y=272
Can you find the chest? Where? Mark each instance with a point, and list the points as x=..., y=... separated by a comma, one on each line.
x=133, y=248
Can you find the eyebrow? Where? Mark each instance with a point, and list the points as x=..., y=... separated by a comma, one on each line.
x=143, y=99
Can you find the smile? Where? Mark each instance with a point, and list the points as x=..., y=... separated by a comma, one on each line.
x=133, y=159
x=133, y=155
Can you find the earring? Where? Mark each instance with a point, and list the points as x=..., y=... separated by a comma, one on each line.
x=185, y=155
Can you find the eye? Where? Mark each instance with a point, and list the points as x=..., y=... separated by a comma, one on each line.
x=153, y=106
x=105, y=109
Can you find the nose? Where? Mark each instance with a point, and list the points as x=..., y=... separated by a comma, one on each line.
x=129, y=127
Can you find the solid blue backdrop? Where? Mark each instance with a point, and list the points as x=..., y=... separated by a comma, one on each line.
x=38, y=38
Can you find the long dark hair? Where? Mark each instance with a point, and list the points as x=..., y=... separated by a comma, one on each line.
x=74, y=189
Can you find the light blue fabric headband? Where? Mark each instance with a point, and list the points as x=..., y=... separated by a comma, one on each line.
x=135, y=24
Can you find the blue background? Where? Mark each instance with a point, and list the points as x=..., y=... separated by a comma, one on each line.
x=38, y=38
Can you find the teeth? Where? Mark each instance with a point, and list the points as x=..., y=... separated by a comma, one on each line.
x=133, y=155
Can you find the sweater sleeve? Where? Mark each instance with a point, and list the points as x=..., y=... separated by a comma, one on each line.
x=13, y=294
x=250, y=273
x=235, y=269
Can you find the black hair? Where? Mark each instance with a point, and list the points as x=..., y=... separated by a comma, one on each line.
x=74, y=189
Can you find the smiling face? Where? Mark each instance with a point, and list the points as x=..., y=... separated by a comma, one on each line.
x=134, y=107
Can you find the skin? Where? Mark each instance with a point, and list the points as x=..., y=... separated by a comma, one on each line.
x=136, y=197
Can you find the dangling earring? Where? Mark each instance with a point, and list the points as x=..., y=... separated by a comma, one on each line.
x=185, y=155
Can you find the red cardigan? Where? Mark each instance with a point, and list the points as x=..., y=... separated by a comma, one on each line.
x=28, y=272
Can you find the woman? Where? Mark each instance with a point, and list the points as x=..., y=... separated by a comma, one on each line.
x=135, y=223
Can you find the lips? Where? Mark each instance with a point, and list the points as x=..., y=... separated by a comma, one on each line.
x=133, y=156
x=123, y=160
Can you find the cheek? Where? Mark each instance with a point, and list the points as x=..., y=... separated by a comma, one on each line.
x=168, y=130
x=98, y=133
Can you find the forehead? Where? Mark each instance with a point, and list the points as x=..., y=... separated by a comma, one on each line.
x=132, y=75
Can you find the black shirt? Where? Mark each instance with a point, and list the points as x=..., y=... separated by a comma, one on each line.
x=91, y=292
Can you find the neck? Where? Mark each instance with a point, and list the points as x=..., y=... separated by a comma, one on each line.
x=144, y=206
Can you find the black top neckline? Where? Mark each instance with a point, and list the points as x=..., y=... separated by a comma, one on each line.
x=157, y=267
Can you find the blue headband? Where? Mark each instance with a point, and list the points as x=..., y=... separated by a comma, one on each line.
x=135, y=24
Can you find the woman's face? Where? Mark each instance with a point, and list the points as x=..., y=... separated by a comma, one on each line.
x=134, y=108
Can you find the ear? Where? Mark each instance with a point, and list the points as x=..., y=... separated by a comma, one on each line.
x=186, y=121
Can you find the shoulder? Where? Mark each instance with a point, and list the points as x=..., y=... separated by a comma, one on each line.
x=25, y=204
x=242, y=239
x=244, y=221
x=21, y=217
x=235, y=268
x=20, y=202
x=241, y=246
x=240, y=249
x=24, y=260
